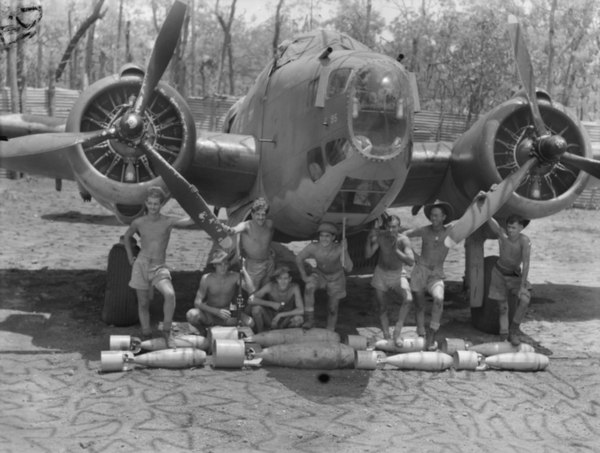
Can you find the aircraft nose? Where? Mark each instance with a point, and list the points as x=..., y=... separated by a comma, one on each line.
x=381, y=110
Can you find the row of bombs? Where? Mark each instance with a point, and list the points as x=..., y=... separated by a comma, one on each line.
x=231, y=347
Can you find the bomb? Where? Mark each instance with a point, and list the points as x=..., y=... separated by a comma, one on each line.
x=421, y=360
x=451, y=345
x=518, y=361
x=357, y=342
x=168, y=358
x=314, y=355
x=500, y=347
x=294, y=335
x=134, y=344
x=229, y=353
x=406, y=345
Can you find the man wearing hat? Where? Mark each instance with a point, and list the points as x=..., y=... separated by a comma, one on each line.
x=428, y=272
x=216, y=292
x=332, y=260
x=507, y=276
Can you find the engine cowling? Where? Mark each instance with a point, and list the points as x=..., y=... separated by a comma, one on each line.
x=493, y=148
x=115, y=173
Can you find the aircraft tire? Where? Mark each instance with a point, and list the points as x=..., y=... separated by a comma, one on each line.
x=485, y=318
x=120, y=301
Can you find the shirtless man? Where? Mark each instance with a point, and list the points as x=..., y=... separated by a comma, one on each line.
x=278, y=304
x=428, y=273
x=389, y=275
x=329, y=273
x=216, y=292
x=254, y=242
x=149, y=268
x=507, y=276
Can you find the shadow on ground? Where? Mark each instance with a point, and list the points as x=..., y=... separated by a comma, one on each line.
x=60, y=310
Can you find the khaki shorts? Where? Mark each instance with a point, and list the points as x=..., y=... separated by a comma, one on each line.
x=336, y=287
x=502, y=285
x=260, y=271
x=144, y=276
x=390, y=280
x=423, y=278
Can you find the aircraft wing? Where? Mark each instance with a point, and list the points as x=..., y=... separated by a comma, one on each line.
x=25, y=155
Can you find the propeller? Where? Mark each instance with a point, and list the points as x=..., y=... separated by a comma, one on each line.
x=540, y=144
x=38, y=144
x=485, y=206
x=188, y=197
x=163, y=50
x=131, y=129
x=549, y=147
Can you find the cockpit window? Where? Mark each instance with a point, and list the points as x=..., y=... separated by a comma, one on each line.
x=381, y=110
x=337, y=81
x=360, y=196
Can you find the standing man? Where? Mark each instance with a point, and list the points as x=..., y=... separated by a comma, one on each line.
x=332, y=260
x=428, y=273
x=254, y=244
x=507, y=276
x=148, y=268
x=389, y=275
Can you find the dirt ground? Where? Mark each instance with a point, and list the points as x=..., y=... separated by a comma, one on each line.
x=53, y=398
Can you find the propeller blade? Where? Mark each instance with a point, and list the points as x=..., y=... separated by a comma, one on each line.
x=189, y=198
x=590, y=166
x=482, y=209
x=36, y=144
x=525, y=69
x=161, y=54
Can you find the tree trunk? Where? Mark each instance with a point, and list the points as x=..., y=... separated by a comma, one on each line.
x=226, y=49
x=89, y=56
x=367, y=38
x=117, y=55
x=192, y=89
x=11, y=76
x=21, y=76
x=278, y=21
x=128, y=56
x=549, y=68
x=71, y=48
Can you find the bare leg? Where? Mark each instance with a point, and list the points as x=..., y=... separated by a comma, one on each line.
x=144, y=311
x=165, y=287
x=309, y=305
x=383, y=312
x=407, y=301
x=419, y=299
x=503, y=318
x=332, y=312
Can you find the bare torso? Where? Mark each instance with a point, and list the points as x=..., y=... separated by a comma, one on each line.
x=433, y=250
x=388, y=246
x=154, y=234
x=219, y=290
x=255, y=240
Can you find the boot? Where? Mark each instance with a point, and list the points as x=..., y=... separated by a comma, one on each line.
x=513, y=335
x=430, y=343
x=309, y=320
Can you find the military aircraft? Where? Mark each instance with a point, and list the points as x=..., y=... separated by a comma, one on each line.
x=325, y=134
